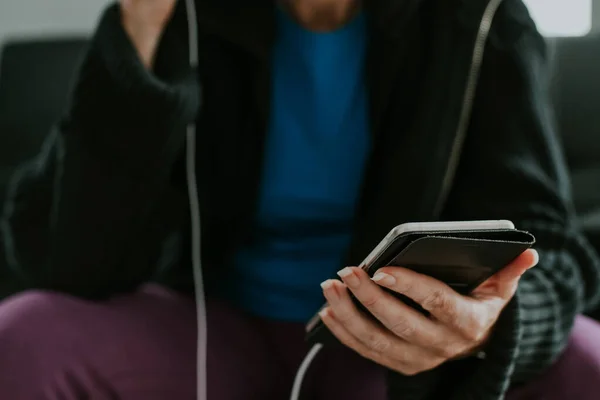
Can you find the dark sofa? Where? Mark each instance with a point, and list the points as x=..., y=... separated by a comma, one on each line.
x=576, y=93
x=35, y=79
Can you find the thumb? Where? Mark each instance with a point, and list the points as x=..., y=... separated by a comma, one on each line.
x=504, y=282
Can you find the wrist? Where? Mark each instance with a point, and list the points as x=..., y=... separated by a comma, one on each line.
x=478, y=351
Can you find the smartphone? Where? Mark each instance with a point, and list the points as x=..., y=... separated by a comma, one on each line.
x=462, y=254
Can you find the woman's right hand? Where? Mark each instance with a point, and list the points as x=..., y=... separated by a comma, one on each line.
x=144, y=21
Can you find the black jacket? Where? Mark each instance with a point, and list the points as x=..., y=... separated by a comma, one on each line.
x=103, y=208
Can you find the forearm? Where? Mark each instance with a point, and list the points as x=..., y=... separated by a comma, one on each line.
x=565, y=283
x=535, y=326
x=79, y=209
x=118, y=145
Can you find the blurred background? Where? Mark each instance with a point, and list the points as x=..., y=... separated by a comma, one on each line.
x=41, y=40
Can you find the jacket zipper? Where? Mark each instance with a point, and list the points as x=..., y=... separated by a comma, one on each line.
x=467, y=105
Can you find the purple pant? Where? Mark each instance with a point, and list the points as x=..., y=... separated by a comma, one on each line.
x=142, y=346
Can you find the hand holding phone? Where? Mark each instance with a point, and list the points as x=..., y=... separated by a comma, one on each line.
x=460, y=275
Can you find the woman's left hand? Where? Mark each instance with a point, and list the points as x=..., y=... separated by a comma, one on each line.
x=407, y=341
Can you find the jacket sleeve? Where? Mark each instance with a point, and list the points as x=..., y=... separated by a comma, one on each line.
x=77, y=211
x=512, y=167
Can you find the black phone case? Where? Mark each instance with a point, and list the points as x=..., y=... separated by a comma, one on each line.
x=461, y=259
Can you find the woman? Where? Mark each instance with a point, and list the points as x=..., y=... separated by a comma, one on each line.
x=315, y=127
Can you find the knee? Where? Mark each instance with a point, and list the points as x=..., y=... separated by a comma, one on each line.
x=577, y=371
x=32, y=343
x=26, y=318
x=22, y=308
x=583, y=349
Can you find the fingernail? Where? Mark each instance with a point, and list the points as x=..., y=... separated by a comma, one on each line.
x=349, y=277
x=384, y=279
x=327, y=287
x=536, y=257
x=324, y=313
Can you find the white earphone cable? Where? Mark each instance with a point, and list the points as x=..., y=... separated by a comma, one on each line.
x=301, y=373
x=202, y=335
x=192, y=185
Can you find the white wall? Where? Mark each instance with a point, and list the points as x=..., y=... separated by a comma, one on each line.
x=562, y=17
x=596, y=15
x=22, y=18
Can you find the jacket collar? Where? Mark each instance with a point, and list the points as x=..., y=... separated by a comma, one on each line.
x=391, y=17
x=247, y=24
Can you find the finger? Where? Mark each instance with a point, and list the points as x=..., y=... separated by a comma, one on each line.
x=400, y=319
x=513, y=271
x=366, y=330
x=504, y=283
x=439, y=299
x=361, y=327
x=409, y=362
x=337, y=328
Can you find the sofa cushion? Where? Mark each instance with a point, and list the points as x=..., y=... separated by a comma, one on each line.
x=35, y=79
x=576, y=95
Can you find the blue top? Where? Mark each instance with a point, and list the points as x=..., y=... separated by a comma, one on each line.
x=316, y=150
